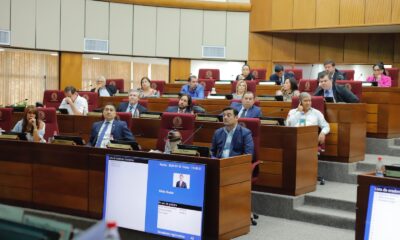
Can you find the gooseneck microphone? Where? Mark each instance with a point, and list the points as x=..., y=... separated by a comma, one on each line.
x=192, y=135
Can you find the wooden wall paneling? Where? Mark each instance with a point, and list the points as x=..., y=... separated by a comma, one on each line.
x=283, y=49
x=355, y=48
x=260, y=46
x=397, y=48
x=327, y=13
x=395, y=11
x=381, y=48
x=260, y=15
x=331, y=47
x=378, y=11
x=307, y=48
x=352, y=12
x=179, y=69
x=304, y=13
x=71, y=70
x=282, y=14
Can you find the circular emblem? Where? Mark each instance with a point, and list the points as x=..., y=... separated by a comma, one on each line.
x=348, y=86
x=209, y=74
x=307, y=86
x=42, y=116
x=154, y=85
x=54, y=97
x=113, y=83
x=177, y=122
x=255, y=73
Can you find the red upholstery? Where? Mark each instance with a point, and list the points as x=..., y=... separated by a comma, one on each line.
x=175, y=101
x=253, y=124
x=209, y=74
x=251, y=86
x=306, y=85
x=48, y=116
x=182, y=122
x=393, y=73
x=143, y=102
x=208, y=84
x=354, y=86
x=256, y=102
x=158, y=85
x=127, y=117
x=259, y=73
x=298, y=73
x=92, y=99
x=349, y=74
x=317, y=102
x=5, y=119
x=53, y=98
x=118, y=83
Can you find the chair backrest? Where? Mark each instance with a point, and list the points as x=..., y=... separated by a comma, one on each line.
x=208, y=84
x=92, y=99
x=354, y=86
x=207, y=73
x=348, y=74
x=253, y=124
x=256, y=102
x=393, y=73
x=53, y=98
x=259, y=73
x=127, y=117
x=298, y=72
x=251, y=86
x=307, y=85
x=5, y=119
x=144, y=102
x=175, y=101
x=317, y=102
x=158, y=85
x=118, y=83
x=182, y=122
x=48, y=116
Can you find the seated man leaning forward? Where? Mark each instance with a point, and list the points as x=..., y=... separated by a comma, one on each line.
x=75, y=104
x=132, y=105
x=193, y=88
x=305, y=115
x=246, y=108
x=232, y=139
x=339, y=93
x=185, y=105
x=109, y=129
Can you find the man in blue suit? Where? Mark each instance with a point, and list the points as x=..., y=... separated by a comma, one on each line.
x=133, y=105
x=185, y=105
x=232, y=139
x=247, y=109
x=109, y=129
x=280, y=76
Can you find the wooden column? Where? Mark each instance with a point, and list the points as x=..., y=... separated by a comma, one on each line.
x=71, y=70
x=179, y=69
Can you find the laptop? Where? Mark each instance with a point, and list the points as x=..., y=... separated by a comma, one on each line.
x=63, y=110
x=329, y=99
x=134, y=145
x=203, y=151
x=76, y=139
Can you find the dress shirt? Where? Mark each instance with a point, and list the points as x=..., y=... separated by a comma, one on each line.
x=227, y=147
x=107, y=136
x=313, y=118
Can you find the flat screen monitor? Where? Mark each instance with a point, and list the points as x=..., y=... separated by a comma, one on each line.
x=76, y=139
x=383, y=213
x=155, y=196
x=203, y=151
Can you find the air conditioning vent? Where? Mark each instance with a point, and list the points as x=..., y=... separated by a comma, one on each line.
x=4, y=37
x=213, y=52
x=96, y=45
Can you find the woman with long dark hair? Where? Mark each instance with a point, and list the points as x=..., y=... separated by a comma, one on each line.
x=31, y=125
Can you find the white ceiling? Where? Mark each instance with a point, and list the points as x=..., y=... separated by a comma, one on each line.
x=366, y=29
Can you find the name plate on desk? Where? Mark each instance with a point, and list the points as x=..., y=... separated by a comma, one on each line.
x=185, y=152
x=216, y=97
x=94, y=114
x=269, y=83
x=171, y=95
x=64, y=142
x=392, y=171
x=149, y=115
x=9, y=137
x=266, y=98
x=119, y=146
x=222, y=82
x=207, y=118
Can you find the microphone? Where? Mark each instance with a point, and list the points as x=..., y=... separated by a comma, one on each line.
x=312, y=66
x=192, y=135
x=18, y=103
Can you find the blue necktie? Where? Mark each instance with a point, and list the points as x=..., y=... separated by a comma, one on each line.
x=326, y=93
x=243, y=113
x=130, y=108
x=103, y=132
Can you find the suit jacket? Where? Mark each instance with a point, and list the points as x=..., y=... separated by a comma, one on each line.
x=338, y=75
x=112, y=90
x=278, y=80
x=181, y=186
x=253, y=112
x=119, y=131
x=340, y=93
x=196, y=109
x=125, y=105
x=242, y=142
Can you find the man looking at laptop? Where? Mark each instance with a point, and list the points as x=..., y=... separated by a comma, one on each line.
x=328, y=89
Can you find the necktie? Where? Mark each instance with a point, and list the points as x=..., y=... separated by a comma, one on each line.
x=243, y=113
x=103, y=132
x=130, y=108
x=326, y=93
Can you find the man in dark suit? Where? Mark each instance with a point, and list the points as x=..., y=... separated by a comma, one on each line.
x=133, y=105
x=181, y=183
x=280, y=76
x=185, y=105
x=109, y=129
x=339, y=93
x=102, y=89
x=247, y=109
x=232, y=139
x=334, y=73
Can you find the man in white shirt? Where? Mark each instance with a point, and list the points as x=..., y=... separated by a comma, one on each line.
x=305, y=115
x=75, y=104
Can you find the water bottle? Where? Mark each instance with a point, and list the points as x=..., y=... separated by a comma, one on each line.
x=302, y=121
x=111, y=231
x=380, y=168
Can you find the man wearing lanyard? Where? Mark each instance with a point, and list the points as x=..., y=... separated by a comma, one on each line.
x=133, y=105
x=339, y=93
x=109, y=129
x=247, y=109
x=232, y=139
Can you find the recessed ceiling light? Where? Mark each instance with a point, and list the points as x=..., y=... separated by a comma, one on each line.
x=2, y=49
x=54, y=54
x=96, y=58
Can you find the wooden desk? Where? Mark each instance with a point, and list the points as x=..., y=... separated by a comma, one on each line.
x=383, y=107
x=70, y=179
x=364, y=182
